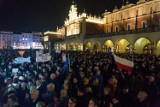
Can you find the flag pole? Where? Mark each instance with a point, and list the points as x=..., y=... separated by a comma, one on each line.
x=69, y=63
x=37, y=65
x=121, y=73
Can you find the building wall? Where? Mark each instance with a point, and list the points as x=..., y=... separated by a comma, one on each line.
x=6, y=39
x=10, y=40
x=37, y=39
x=153, y=37
x=133, y=27
x=94, y=28
x=133, y=14
x=16, y=40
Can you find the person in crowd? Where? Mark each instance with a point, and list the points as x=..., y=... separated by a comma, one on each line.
x=152, y=90
x=40, y=87
x=126, y=99
x=73, y=87
x=106, y=97
x=98, y=76
x=142, y=99
x=12, y=101
x=40, y=104
x=115, y=102
x=81, y=98
x=90, y=75
x=34, y=97
x=63, y=98
x=89, y=92
x=72, y=102
x=49, y=95
x=112, y=84
x=23, y=93
x=56, y=81
x=93, y=103
x=56, y=101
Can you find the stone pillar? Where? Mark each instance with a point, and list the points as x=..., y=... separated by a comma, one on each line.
x=153, y=48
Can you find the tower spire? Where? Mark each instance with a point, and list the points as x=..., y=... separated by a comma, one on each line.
x=73, y=11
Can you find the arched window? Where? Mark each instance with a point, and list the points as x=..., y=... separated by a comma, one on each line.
x=106, y=30
x=117, y=29
x=129, y=26
x=144, y=24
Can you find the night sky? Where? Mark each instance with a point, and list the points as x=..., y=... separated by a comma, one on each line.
x=42, y=15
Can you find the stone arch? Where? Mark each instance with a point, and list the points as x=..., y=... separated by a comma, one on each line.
x=121, y=45
x=142, y=45
x=97, y=46
x=71, y=46
x=108, y=44
x=74, y=46
x=158, y=47
x=88, y=46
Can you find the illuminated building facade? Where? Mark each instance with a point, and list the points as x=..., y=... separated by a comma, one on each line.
x=50, y=36
x=10, y=40
x=37, y=40
x=132, y=28
x=77, y=26
x=6, y=39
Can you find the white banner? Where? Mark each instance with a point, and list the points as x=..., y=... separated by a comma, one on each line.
x=63, y=57
x=42, y=57
x=58, y=51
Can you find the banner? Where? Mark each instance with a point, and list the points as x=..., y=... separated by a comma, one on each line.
x=58, y=51
x=21, y=60
x=42, y=57
x=63, y=57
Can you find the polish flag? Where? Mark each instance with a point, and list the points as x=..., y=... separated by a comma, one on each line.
x=124, y=64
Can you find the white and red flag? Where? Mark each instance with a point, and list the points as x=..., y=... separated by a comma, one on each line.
x=124, y=63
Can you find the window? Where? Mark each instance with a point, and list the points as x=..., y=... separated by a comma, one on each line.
x=117, y=29
x=144, y=24
x=111, y=28
x=72, y=31
x=106, y=20
x=129, y=26
x=107, y=30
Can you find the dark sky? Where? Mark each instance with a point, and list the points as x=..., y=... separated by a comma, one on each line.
x=42, y=15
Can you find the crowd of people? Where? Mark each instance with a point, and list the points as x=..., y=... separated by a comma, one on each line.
x=92, y=79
